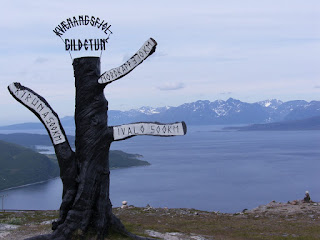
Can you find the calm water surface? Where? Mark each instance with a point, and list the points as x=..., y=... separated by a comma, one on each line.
x=206, y=169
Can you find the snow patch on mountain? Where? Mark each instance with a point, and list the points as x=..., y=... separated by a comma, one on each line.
x=270, y=103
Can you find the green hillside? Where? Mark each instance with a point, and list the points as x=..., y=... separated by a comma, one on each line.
x=119, y=159
x=20, y=166
x=30, y=140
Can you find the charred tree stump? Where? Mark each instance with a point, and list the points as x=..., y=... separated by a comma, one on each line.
x=91, y=207
x=85, y=174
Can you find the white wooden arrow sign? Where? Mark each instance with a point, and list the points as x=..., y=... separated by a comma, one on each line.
x=41, y=109
x=114, y=74
x=155, y=129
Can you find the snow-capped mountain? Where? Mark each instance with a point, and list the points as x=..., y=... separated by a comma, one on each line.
x=149, y=110
x=270, y=103
x=231, y=111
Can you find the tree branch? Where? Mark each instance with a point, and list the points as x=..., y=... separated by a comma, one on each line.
x=66, y=157
x=122, y=132
x=147, y=49
x=40, y=107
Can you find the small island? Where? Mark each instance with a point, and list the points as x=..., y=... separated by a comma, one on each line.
x=306, y=124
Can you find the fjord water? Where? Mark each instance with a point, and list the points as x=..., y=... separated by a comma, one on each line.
x=206, y=170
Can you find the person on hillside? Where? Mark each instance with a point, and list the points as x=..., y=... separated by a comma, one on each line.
x=307, y=198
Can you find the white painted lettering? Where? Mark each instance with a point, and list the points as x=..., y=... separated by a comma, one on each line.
x=43, y=111
x=44, y=115
x=80, y=20
x=155, y=129
x=133, y=62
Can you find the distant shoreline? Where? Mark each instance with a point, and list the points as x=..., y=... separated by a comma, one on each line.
x=25, y=185
x=307, y=124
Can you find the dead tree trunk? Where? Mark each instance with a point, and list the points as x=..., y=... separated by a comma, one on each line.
x=86, y=206
x=93, y=139
x=91, y=207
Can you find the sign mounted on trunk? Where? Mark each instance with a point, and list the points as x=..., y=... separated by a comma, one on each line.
x=84, y=33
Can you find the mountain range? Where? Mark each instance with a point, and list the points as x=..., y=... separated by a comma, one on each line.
x=203, y=112
x=231, y=111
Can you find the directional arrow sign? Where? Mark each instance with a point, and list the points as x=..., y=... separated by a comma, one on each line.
x=39, y=106
x=154, y=129
x=114, y=74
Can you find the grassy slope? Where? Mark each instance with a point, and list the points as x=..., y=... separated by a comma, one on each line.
x=206, y=225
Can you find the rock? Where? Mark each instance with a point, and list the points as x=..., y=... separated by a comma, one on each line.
x=48, y=222
x=7, y=227
x=148, y=207
x=124, y=204
x=174, y=235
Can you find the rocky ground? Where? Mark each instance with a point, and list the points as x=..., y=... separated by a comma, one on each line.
x=292, y=220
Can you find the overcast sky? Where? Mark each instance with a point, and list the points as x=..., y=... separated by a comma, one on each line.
x=207, y=50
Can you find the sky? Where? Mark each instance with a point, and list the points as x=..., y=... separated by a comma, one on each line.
x=207, y=50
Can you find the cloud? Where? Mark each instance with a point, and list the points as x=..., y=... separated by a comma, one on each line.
x=171, y=86
x=159, y=53
x=228, y=59
x=317, y=86
x=40, y=60
x=225, y=93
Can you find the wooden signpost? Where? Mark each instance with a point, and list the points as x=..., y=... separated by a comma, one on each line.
x=85, y=174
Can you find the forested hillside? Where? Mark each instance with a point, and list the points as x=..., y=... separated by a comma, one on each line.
x=20, y=166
